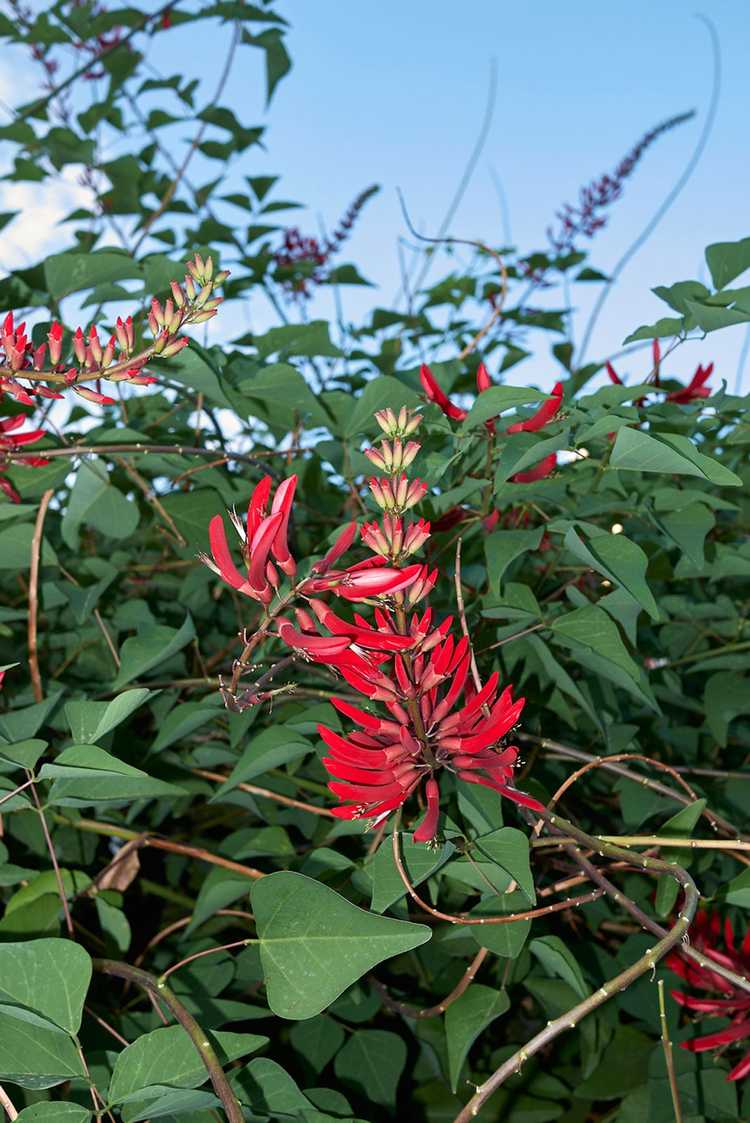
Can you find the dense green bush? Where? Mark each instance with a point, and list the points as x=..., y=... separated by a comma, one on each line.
x=193, y=927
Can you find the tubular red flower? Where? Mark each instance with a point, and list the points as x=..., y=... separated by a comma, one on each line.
x=282, y=503
x=539, y=472
x=543, y=415
x=706, y=937
x=696, y=388
x=435, y=394
x=484, y=382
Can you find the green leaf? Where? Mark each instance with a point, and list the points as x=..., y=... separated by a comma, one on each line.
x=509, y=849
x=169, y=1054
x=89, y=760
x=381, y=393
x=725, y=697
x=372, y=1061
x=23, y=753
x=310, y=340
x=619, y=560
x=420, y=862
x=317, y=1041
x=142, y=653
x=269, y=1089
x=506, y=940
x=90, y=721
x=558, y=960
x=95, y=502
x=712, y=470
x=269, y=749
x=56, y=1112
x=688, y=529
x=175, y=1103
x=712, y=317
x=593, y=628
x=497, y=400
x=15, y=548
x=727, y=260
x=737, y=892
x=282, y=395
x=668, y=325
x=33, y=1052
x=314, y=943
x=75, y=272
x=504, y=546
x=636, y=451
x=466, y=1019
x=49, y=976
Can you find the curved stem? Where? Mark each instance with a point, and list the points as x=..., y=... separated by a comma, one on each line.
x=465, y=918
x=460, y=988
x=158, y=990
x=646, y=963
x=656, y=218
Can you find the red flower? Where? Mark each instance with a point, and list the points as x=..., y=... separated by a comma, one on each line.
x=695, y=388
x=9, y=441
x=266, y=535
x=377, y=768
x=538, y=472
x=705, y=936
x=543, y=415
x=435, y=394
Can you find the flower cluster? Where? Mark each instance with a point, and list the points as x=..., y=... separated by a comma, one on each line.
x=23, y=372
x=694, y=391
x=10, y=441
x=434, y=716
x=587, y=218
x=301, y=259
x=546, y=412
x=733, y=1003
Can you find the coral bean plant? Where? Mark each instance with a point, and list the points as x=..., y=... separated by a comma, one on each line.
x=373, y=689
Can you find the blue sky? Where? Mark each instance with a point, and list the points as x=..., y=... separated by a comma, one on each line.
x=395, y=92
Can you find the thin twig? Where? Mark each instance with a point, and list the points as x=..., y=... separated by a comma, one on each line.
x=460, y=988
x=266, y=793
x=169, y=193
x=53, y=856
x=668, y=1058
x=483, y=921
x=36, y=550
x=158, y=990
x=200, y=954
x=7, y=1105
x=646, y=963
x=152, y=498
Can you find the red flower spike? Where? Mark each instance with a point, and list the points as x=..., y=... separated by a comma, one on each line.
x=706, y=937
x=467, y=741
x=539, y=472
x=543, y=415
x=435, y=394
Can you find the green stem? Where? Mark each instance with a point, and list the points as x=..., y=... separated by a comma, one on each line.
x=161, y=992
x=642, y=966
